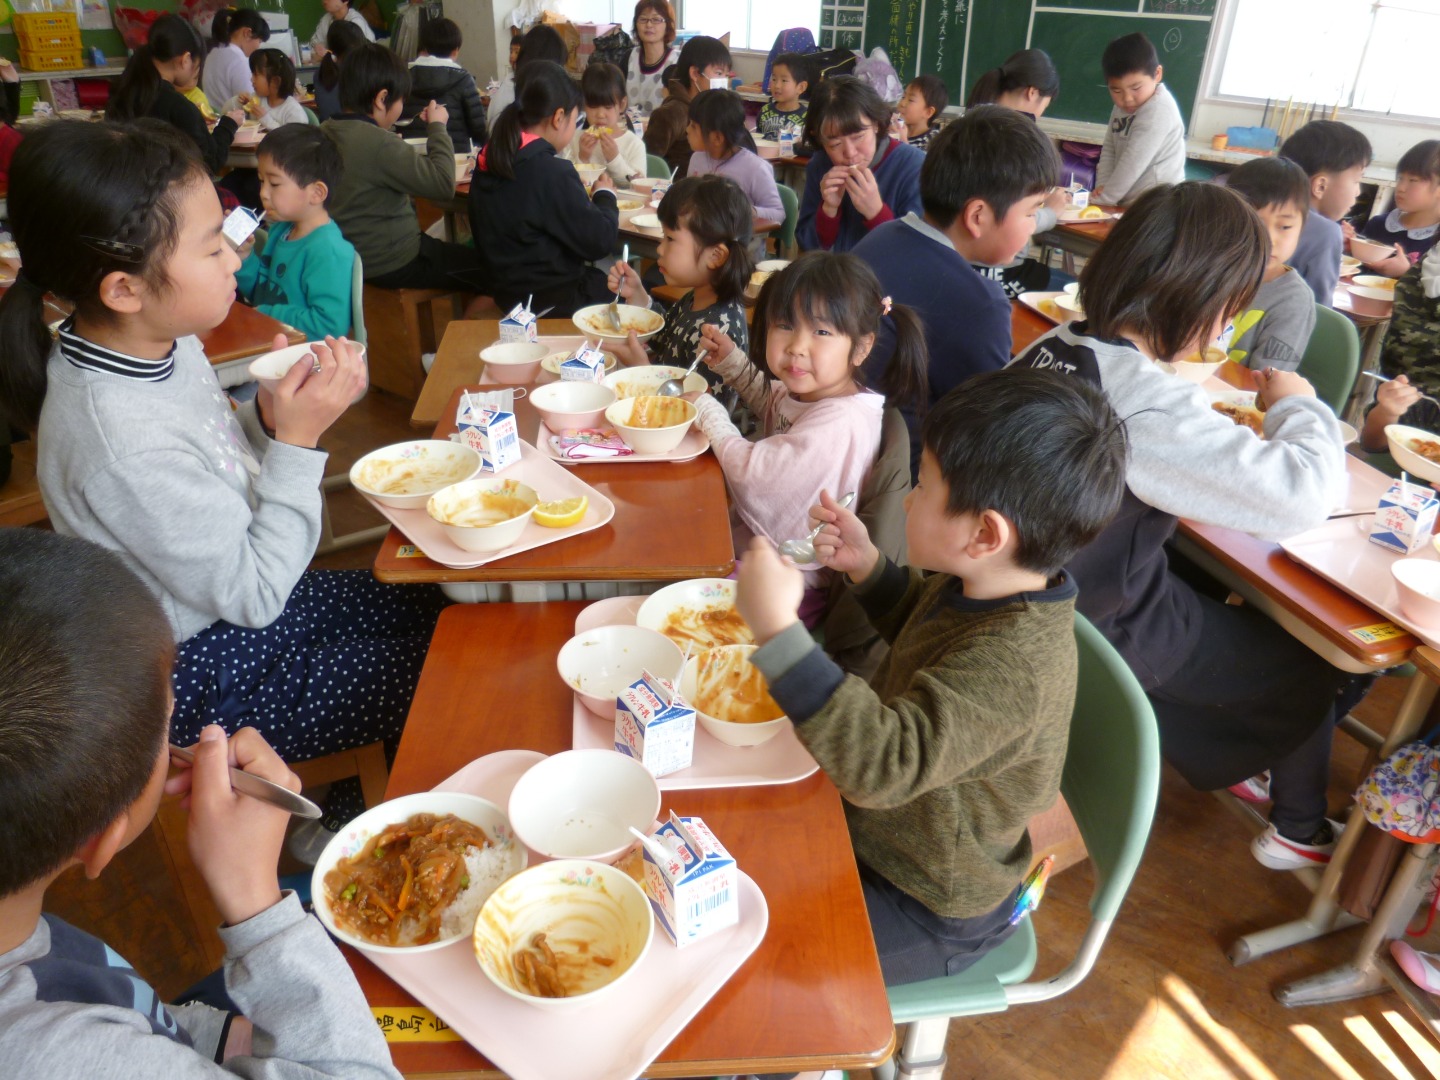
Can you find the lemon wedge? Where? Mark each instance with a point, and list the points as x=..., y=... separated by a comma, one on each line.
x=561, y=513
x=1092, y=212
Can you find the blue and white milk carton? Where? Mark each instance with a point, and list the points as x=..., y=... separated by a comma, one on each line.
x=696, y=891
x=1405, y=518
x=519, y=325
x=489, y=429
x=585, y=364
x=1079, y=196
x=654, y=726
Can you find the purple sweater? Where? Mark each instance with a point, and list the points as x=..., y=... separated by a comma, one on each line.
x=753, y=173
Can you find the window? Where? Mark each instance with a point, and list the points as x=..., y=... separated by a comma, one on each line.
x=751, y=24
x=599, y=11
x=1371, y=55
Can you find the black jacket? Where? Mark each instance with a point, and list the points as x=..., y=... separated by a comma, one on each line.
x=535, y=233
x=453, y=87
x=175, y=108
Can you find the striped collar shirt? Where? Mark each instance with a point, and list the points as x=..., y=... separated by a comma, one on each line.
x=92, y=357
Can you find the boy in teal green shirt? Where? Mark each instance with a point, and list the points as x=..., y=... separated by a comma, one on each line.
x=303, y=274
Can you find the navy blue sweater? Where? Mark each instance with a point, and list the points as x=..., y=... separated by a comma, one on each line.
x=898, y=178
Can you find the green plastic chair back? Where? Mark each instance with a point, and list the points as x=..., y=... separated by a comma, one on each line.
x=656, y=167
x=785, y=237
x=357, y=303
x=1332, y=359
x=1110, y=782
x=311, y=118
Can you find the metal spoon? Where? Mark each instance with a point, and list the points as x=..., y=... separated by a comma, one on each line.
x=801, y=552
x=614, y=308
x=1382, y=378
x=257, y=787
x=676, y=387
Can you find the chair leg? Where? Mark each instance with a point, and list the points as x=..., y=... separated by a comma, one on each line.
x=922, y=1050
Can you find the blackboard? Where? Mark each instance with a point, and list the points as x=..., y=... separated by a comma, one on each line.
x=961, y=39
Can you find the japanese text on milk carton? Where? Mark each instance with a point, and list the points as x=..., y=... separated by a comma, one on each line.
x=696, y=890
x=518, y=325
x=1405, y=517
x=489, y=430
x=585, y=364
x=654, y=726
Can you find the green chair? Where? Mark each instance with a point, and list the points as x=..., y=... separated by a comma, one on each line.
x=1332, y=359
x=357, y=303
x=656, y=167
x=312, y=118
x=1111, y=780
x=785, y=237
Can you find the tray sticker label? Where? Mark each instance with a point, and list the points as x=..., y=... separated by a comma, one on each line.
x=415, y=1024
x=409, y=551
x=1378, y=632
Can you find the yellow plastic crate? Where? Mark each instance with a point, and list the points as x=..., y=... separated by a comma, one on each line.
x=50, y=59
x=35, y=22
x=49, y=40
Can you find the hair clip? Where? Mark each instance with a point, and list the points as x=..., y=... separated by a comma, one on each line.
x=885, y=305
x=116, y=249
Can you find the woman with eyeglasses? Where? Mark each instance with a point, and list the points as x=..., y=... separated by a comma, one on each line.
x=654, y=51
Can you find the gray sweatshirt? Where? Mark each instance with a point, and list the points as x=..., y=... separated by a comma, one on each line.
x=1142, y=149
x=1275, y=329
x=218, y=519
x=71, y=1007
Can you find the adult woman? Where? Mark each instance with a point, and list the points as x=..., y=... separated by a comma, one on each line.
x=655, y=50
x=538, y=43
x=1027, y=82
x=337, y=11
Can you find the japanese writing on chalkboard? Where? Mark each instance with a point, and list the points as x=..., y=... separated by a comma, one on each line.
x=1180, y=7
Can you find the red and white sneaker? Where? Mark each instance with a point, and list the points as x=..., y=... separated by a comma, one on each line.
x=1278, y=853
x=1255, y=790
x=1421, y=968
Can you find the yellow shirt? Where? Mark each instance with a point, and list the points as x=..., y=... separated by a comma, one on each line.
x=201, y=102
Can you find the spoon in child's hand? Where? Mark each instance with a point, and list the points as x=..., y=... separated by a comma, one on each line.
x=676, y=387
x=801, y=552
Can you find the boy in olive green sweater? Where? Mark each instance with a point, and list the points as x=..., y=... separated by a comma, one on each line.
x=960, y=736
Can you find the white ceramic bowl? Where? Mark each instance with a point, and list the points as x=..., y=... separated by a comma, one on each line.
x=727, y=731
x=572, y=404
x=1378, y=303
x=599, y=664
x=646, y=221
x=581, y=804
x=406, y=474
x=269, y=368
x=771, y=266
x=464, y=163
x=767, y=148
x=594, y=321
x=514, y=362
x=588, y=173
x=1069, y=306
x=1368, y=251
x=1246, y=398
x=1399, y=437
x=637, y=381
x=1197, y=371
x=1072, y=289
x=1374, y=281
x=629, y=206
x=654, y=440
x=644, y=185
x=697, y=594
x=1418, y=583
x=576, y=904
x=353, y=836
x=501, y=533
x=1348, y=265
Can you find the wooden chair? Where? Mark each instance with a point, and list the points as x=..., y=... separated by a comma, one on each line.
x=20, y=502
x=365, y=762
x=401, y=328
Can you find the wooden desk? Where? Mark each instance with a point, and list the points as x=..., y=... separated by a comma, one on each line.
x=457, y=363
x=811, y=996
x=1026, y=325
x=645, y=243
x=1081, y=238
x=671, y=523
x=245, y=332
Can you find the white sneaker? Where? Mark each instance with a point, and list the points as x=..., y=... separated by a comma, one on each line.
x=1278, y=853
x=1254, y=790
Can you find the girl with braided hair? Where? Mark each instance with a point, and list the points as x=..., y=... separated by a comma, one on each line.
x=216, y=506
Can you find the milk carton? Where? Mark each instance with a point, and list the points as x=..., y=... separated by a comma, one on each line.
x=695, y=891
x=1079, y=196
x=1405, y=517
x=585, y=364
x=654, y=726
x=490, y=431
x=519, y=325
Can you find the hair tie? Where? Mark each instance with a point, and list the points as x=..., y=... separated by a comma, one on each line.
x=885, y=305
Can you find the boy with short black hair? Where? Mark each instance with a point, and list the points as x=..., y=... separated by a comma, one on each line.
x=1274, y=330
x=1333, y=155
x=792, y=77
x=982, y=181
x=959, y=738
x=435, y=75
x=1145, y=141
x=1413, y=223
x=606, y=138
x=920, y=108
x=80, y=637
x=304, y=273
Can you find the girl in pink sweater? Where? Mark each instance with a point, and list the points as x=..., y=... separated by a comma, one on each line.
x=815, y=323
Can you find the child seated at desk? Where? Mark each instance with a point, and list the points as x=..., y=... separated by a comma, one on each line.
x=1412, y=344
x=273, y=102
x=792, y=76
x=919, y=110
x=1333, y=155
x=79, y=631
x=959, y=739
x=701, y=59
x=722, y=145
x=435, y=75
x=303, y=276
x=606, y=138
x=1412, y=224
x=1145, y=141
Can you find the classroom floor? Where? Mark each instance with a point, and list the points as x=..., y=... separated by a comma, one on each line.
x=1162, y=1002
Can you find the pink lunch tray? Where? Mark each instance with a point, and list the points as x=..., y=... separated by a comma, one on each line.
x=616, y=1038
x=782, y=760
x=534, y=468
x=690, y=447
x=1040, y=303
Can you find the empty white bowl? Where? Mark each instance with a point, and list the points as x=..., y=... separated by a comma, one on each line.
x=1378, y=303
x=572, y=404
x=581, y=804
x=599, y=664
x=1069, y=306
x=772, y=266
x=648, y=440
x=406, y=474
x=1368, y=251
x=585, y=909
x=1196, y=370
x=1399, y=436
x=1418, y=583
x=269, y=368
x=728, y=731
x=514, y=362
x=475, y=516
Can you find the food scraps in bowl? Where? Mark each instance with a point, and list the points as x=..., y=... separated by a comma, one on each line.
x=700, y=613
x=652, y=411
x=730, y=688
x=596, y=320
x=414, y=470
x=482, y=509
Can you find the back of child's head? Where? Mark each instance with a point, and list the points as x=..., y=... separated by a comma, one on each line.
x=369, y=69
x=602, y=86
x=1267, y=182
x=86, y=200
x=847, y=105
x=1327, y=146
x=1132, y=54
x=305, y=154
x=229, y=21
x=85, y=656
x=541, y=42
x=991, y=153
x=1423, y=160
x=541, y=89
x=722, y=112
x=668, y=75
x=842, y=292
x=699, y=53
x=274, y=64
x=339, y=40
x=802, y=69
x=932, y=89
x=1044, y=451
x=1026, y=68
x=655, y=7
x=171, y=37
x=1184, y=259
x=714, y=210
x=440, y=37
